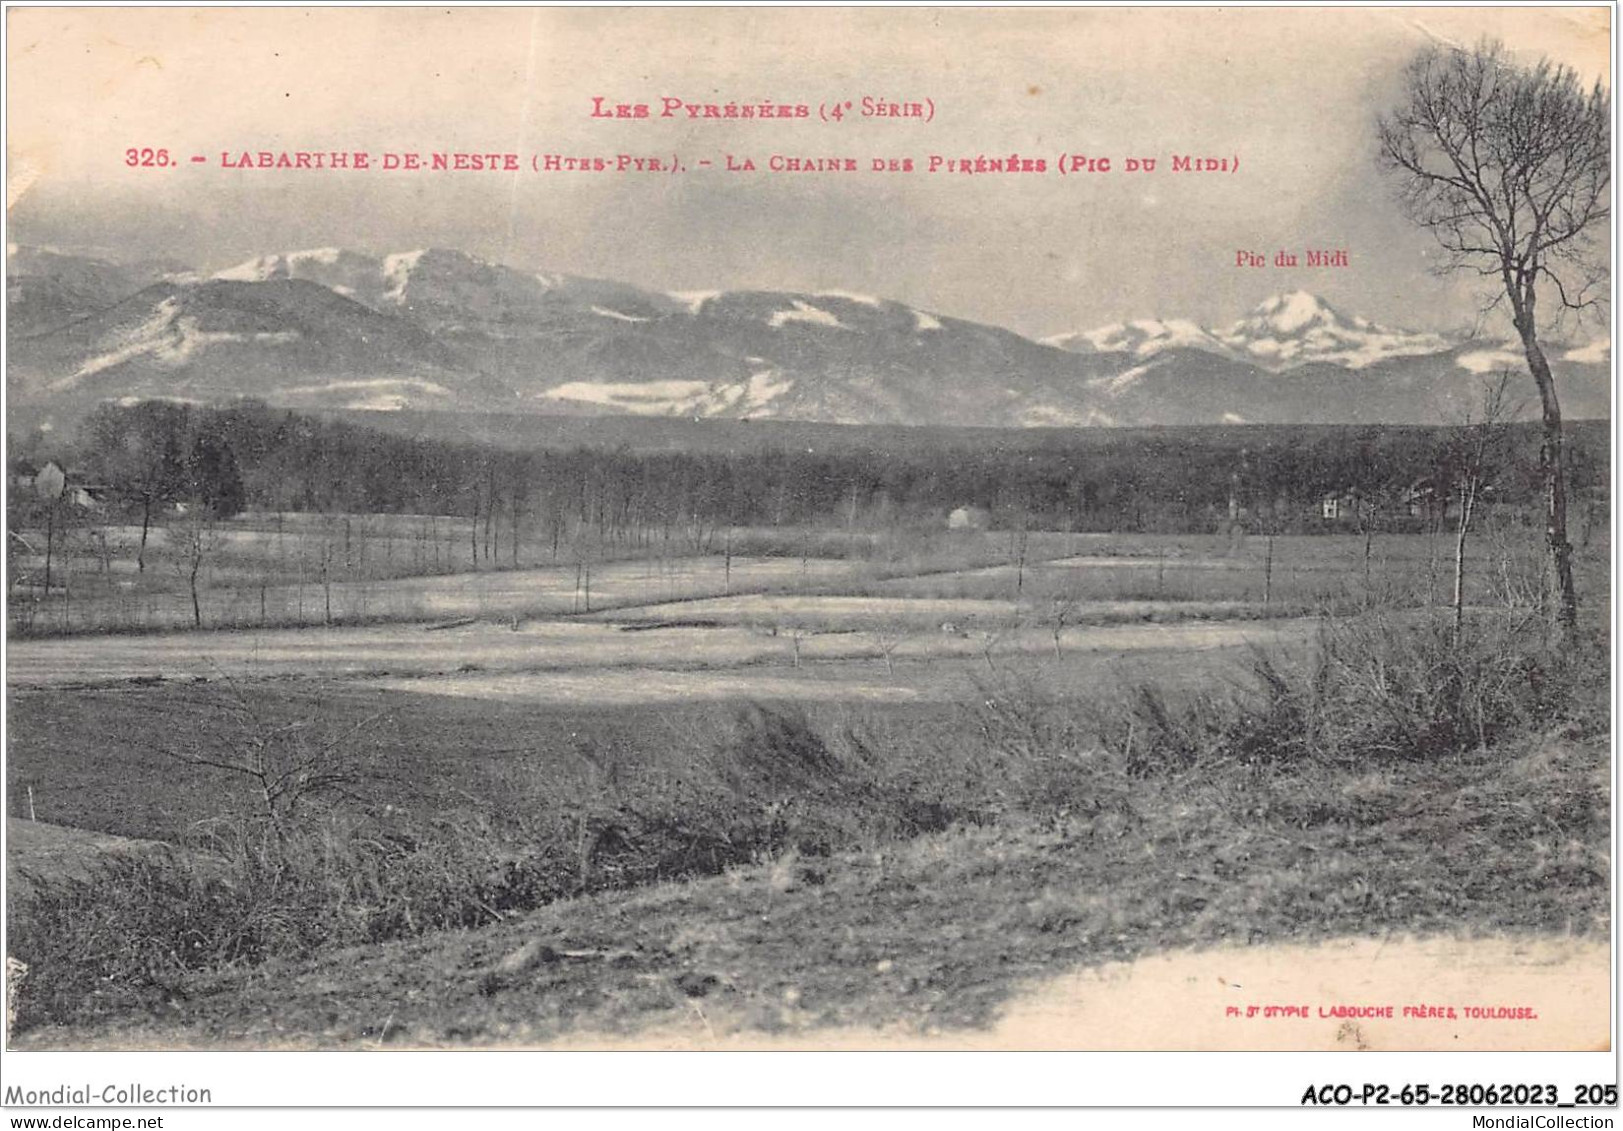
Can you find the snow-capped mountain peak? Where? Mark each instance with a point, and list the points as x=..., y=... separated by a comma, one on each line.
x=445, y=330
x=1292, y=313
x=1298, y=328
x=1143, y=338
x=290, y=264
x=1281, y=332
x=349, y=273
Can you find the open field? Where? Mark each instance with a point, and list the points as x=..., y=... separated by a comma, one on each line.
x=796, y=638
x=387, y=651
x=813, y=800
x=950, y=616
x=299, y=570
x=1097, y=659
x=90, y=724
x=498, y=594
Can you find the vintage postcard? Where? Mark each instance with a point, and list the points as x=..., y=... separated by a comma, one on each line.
x=842, y=528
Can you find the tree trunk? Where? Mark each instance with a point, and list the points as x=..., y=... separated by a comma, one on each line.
x=326, y=583
x=1467, y=505
x=1268, y=573
x=146, y=522
x=197, y=608
x=1564, y=595
x=490, y=508
x=50, y=539
x=514, y=516
x=1369, y=546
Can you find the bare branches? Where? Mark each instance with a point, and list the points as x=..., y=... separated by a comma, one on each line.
x=1478, y=458
x=284, y=764
x=1062, y=611
x=1508, y=166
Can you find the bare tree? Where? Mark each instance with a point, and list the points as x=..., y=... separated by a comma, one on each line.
x=284, y=763
x=1019, y=547
x=137, y=450
x=989, y=642
x=197, y=539
x=50, y=483
x=888, y=640
x=1061, y=612
x=1478, y=459
x=1367, y=515
x=1509, y=167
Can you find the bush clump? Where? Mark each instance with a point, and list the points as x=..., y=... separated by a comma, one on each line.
x=1375, y=692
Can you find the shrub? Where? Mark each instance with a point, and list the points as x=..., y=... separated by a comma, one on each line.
x=129, y=933
x=1376, y=691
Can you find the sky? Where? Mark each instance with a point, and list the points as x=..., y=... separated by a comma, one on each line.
x=1291, y=93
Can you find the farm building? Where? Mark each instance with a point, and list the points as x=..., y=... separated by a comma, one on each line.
x=1344, y=506
x=86, y=496
x=53, y=482
x=1426, y=501
x=969, y=518
x=20, y=476
x=1421, y=503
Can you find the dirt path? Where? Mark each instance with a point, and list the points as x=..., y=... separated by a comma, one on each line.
x=847, y=668
x=552, y=646
x=964, y=615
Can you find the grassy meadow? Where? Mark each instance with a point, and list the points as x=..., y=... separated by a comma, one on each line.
x=788, y=779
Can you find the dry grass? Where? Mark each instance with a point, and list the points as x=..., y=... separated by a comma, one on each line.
x=939, y=934
x=1402, y=782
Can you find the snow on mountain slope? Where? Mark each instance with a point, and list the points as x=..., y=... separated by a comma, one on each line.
x=801, y=311
x=1143, y=338
x=293, y=264
x=171, y=339
x=441, y=329
x=284, y=340
x=751, y=396
x=1297, y=328
x=47, y=288
x=1285, y=330
x=449, y=289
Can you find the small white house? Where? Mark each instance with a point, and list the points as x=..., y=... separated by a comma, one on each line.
x=51, y=481
x=969, y=518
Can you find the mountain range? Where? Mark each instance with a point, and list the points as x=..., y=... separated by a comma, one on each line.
x=442, y=330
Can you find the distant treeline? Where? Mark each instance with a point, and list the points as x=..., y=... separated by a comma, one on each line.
x=250, y=456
